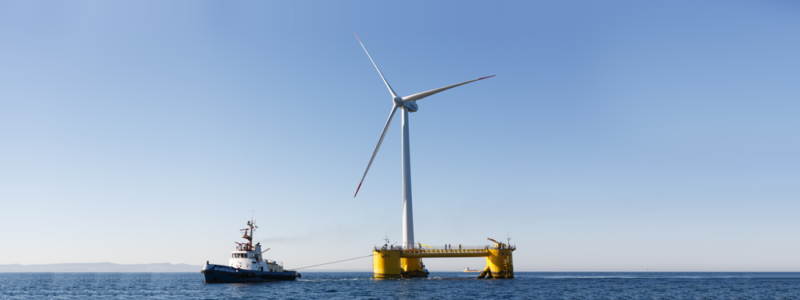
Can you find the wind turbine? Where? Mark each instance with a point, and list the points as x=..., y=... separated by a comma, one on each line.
x=406, y=104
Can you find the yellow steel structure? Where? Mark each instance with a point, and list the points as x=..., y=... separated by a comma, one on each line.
x=386, y=264
x=412, y=267
x=500, y=263
x=397, y=262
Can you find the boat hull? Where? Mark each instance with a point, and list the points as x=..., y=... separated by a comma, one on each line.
x=226, y=274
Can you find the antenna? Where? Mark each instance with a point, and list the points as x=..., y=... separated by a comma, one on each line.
x=386, y=238
x=508, y=238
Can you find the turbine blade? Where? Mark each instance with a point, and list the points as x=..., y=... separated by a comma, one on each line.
x=441, y=89
x=376, y=68
x=380, y=141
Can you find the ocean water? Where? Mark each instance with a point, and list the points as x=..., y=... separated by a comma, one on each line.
x=441, y=285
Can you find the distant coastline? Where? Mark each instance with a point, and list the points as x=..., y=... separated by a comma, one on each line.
x=101, y=267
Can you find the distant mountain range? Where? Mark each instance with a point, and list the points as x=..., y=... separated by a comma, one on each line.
x=101, y=267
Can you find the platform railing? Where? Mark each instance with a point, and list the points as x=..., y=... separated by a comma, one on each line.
x=484, y=247
x=452, y=249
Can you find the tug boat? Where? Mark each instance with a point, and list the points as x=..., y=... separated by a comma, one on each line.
x=247, y=264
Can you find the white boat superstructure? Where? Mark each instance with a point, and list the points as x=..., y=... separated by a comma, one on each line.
x=250, y=257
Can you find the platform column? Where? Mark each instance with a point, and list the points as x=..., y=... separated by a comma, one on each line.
x=500, y=263
x=412, y=267
x=386, y=264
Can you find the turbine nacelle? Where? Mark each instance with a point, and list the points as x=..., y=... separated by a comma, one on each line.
x=411, y=106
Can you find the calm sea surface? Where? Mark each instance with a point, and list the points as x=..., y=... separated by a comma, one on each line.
x=441, y=285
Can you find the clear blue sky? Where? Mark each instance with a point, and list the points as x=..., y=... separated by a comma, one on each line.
x=617, y=135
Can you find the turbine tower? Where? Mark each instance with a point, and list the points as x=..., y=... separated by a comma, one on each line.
x=407, y=104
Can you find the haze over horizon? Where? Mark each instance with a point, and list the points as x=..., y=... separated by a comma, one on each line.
x=616, y=136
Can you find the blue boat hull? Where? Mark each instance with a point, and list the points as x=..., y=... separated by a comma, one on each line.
x=226, y=274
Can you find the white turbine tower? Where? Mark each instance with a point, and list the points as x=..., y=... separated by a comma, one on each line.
x=407, y=104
